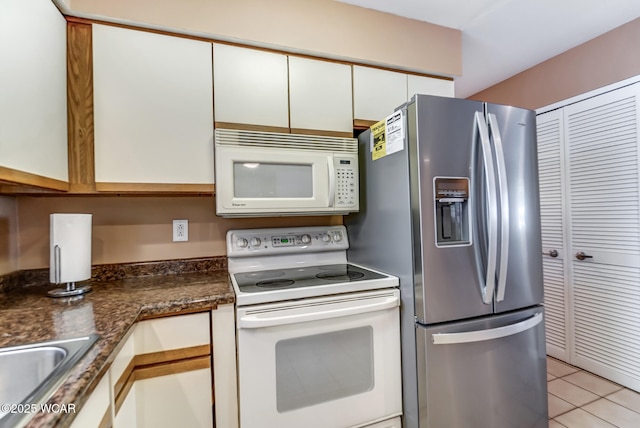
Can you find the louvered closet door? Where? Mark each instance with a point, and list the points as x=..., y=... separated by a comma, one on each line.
x=550, y=169
x=602, y=149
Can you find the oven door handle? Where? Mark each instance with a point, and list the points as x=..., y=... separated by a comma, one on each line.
x=261, y=319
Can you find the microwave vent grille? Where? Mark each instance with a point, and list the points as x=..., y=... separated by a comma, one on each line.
x=243, y=138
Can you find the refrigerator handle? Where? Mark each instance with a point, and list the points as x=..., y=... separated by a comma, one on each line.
x=504, y=207
x=487, y=159
x=483, y=335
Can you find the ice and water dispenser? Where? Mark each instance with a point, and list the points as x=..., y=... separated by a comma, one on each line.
x=451, y=196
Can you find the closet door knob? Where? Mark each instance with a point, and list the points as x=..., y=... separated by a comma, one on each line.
x=581, y=256
x=551, y=253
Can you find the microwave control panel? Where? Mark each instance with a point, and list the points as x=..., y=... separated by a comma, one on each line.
x=346, y=169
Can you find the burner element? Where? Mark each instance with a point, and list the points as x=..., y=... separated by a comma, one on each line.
x=275, y=283
x=340, y=276
x=265, y=274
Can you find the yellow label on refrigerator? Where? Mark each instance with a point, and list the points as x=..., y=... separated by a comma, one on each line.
x=387, y=136
x=378, y=140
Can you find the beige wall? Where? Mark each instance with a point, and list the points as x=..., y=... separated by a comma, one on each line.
x=322, y=27
x=599, y=62
x=135, y=229
x=8, y=235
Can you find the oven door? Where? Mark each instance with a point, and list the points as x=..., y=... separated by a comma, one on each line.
x=320, y=363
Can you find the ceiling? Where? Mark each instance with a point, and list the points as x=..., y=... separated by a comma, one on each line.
x=501, y=38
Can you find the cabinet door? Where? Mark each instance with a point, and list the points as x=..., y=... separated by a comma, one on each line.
x=223, y=335
x=175, y=400
x=153, y=101
x=251, y=86
x=177, y=332
x=33, y=94
x=320, y=95
x=376, y=93
x=429, y=86
x=96, y=411
x=602, y=146
x=551, y=173
x=126, y=414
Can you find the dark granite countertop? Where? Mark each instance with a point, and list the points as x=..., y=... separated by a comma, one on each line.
x=27, y=315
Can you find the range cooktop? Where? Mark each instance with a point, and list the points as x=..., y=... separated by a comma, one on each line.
x=308, y=276
x=267, y=286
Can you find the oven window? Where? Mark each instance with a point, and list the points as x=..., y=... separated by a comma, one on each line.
x=323, y=367
x=272, y=180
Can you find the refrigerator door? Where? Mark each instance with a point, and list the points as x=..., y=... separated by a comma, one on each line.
x=485, y=373
x=449, y=281
x=519, y=274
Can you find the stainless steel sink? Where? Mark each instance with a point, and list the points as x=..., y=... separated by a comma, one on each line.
x=29, y=372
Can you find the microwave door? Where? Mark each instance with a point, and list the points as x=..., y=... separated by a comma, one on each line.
x=270, y=181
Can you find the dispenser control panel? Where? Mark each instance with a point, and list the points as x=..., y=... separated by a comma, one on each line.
x=451, y=187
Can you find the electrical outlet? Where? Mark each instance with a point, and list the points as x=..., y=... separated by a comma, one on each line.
x=180, y=230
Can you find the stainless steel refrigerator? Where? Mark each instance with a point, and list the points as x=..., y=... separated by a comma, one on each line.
x=454, y=213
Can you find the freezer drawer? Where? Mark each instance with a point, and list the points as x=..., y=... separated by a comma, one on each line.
x=485, y=373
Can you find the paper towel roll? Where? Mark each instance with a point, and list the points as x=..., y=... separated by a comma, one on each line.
x=70, y=248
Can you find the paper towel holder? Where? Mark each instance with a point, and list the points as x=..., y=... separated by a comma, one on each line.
x=71, y=288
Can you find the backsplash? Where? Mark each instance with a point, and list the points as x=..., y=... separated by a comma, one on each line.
x=109, y=272
x=130, y=229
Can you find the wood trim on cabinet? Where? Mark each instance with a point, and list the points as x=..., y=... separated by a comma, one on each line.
x=80, y=121
x=155, y=364
x=106, y=421
x=340, y=134
x=172, y=355
x=121, y=395
x=154, y=188
x=248, y=127
x=26, y=178
x=157, y=370
x=363, y=124
x=121, y=384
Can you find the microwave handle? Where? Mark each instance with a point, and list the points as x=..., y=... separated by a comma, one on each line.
x=332, y=182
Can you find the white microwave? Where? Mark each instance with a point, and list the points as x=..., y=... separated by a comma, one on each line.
x=274, y=174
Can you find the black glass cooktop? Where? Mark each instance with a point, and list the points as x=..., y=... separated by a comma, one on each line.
x=309, y=276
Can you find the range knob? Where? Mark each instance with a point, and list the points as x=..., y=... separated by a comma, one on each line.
x=306, y=239
x=255, y=242
x=242, y=243
x=337, y=236
x=326, y=238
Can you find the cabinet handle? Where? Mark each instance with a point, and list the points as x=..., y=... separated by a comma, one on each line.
x=551, y=253
x=581, y=256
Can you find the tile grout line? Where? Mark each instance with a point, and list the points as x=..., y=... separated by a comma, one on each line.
x=605, y=397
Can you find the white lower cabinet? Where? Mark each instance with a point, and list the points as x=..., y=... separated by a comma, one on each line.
x=96, y=412
x=126, y=415
x=175, y=400
x=162, y=374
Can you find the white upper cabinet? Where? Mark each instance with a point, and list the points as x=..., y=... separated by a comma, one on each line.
x=320, y=95
x=429, y=86
x=153, y=107
x=251, y=86
x=33, y=89
x=376, y=92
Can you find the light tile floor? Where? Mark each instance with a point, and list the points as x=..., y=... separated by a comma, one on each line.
x=579, y=399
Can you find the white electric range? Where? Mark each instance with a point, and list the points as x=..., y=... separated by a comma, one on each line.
x=317, y=336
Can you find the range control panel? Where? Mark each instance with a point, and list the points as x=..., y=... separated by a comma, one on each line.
x=265, y=242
